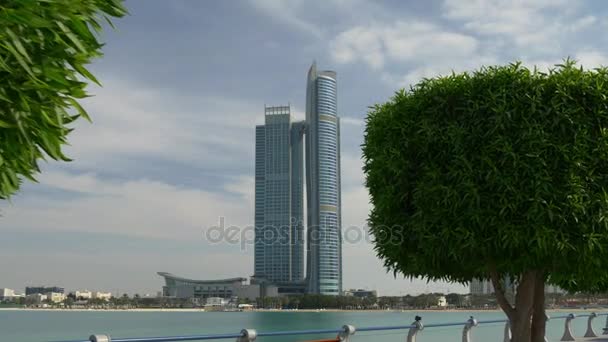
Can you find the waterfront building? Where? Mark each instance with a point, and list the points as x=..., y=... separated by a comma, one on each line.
x=481, y=287
x=215, y=301
x=442, y=302
x=102, y=295
x=42, y=289
x=324, y=238
x=179, y=287
x=279, y=189
x=55, y=297
x=361, y=293
x=6, y=293
x=86, y=294
x=35, y=298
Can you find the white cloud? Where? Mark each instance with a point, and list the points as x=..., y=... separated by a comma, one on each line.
x=537, y=25
x=141, y=207
x=288, y=13
x=134, y=121
x=351, y=121
x=412, y=41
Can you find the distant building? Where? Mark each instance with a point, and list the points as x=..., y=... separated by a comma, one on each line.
x=485, y=287
x=360, y=293
x=55, y=297
x=215, y=301
x=481, y=287
x=6, y=293
x=442, y=302
x=86, y=294
x=35, y=298
x=178, y=287
x=102, y=295
x=553, y=289
x=42, y=290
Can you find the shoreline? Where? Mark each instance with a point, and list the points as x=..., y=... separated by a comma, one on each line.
x=192, y=310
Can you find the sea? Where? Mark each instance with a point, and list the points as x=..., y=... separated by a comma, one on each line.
x=46, y=326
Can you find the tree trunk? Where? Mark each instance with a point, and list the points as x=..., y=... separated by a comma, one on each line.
x=520, y=315
x=538, y=314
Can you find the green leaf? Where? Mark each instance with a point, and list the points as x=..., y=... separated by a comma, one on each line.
x=84, y=72
x=19, y=58
x=17, y=43
x=79, y=108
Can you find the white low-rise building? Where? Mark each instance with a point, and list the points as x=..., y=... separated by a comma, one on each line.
x=55, y=297
x=102, y=295
x=216, y=301
x=442, y=302
x=86, y=294
x=6, y=293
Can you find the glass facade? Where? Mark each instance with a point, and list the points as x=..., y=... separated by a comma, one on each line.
x=279, y=251
x=324, y=255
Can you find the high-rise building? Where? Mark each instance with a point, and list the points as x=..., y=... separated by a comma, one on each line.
x=279, y=193
x=279, y=212
x=43, y=290
x=324, y=255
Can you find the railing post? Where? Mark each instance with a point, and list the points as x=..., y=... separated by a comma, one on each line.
x=606, y=327
x=100, y=338
x=568, y=332
x=547, y=319
x=247, y=335
x=590, y=332
x=348, y=330
x=466, y=332
x=507, y=334
x=416, y=327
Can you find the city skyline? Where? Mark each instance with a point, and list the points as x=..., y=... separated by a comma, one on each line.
x=170, y=149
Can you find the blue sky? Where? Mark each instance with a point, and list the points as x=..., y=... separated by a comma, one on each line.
x=170, y=150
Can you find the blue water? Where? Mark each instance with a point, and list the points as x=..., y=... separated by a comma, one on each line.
x=39, y=326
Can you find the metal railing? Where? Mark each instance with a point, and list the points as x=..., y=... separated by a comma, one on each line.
x=345, y=333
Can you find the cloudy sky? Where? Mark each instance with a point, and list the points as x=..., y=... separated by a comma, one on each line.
x=171, y=147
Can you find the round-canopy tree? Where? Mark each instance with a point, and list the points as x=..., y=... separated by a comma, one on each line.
x=44, y=47
x=502, y=172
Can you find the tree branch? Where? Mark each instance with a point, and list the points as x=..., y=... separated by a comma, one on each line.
x=500, y=293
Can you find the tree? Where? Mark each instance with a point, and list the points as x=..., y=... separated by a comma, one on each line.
x=44, y=47
x=497, y=173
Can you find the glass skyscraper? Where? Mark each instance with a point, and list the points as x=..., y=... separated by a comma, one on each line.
x=279, y=211
x=324, y=255
x=279, y=193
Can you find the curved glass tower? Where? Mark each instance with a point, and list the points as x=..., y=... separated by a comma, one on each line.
x=324, y=258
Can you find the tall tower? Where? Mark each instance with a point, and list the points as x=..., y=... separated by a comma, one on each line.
x=279, y=229
x=324, y=238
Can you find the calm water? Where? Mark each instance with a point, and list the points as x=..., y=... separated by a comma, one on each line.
x=39, y=326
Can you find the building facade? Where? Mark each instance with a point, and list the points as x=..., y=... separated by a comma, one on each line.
x=42, y=290
x=179, y=287
x=279, y=168
x=361, y=293
x=324, y=254
x=102, y=295
x=85, y=294
x=7, y=293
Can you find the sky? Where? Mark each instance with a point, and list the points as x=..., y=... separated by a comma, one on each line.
x=170, y=152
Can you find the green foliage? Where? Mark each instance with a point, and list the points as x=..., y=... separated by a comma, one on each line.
x=44, y=47
x=504, y=168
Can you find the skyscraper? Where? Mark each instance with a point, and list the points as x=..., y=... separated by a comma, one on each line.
x=279, y=179
x=324, y=238
x=279, y=229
